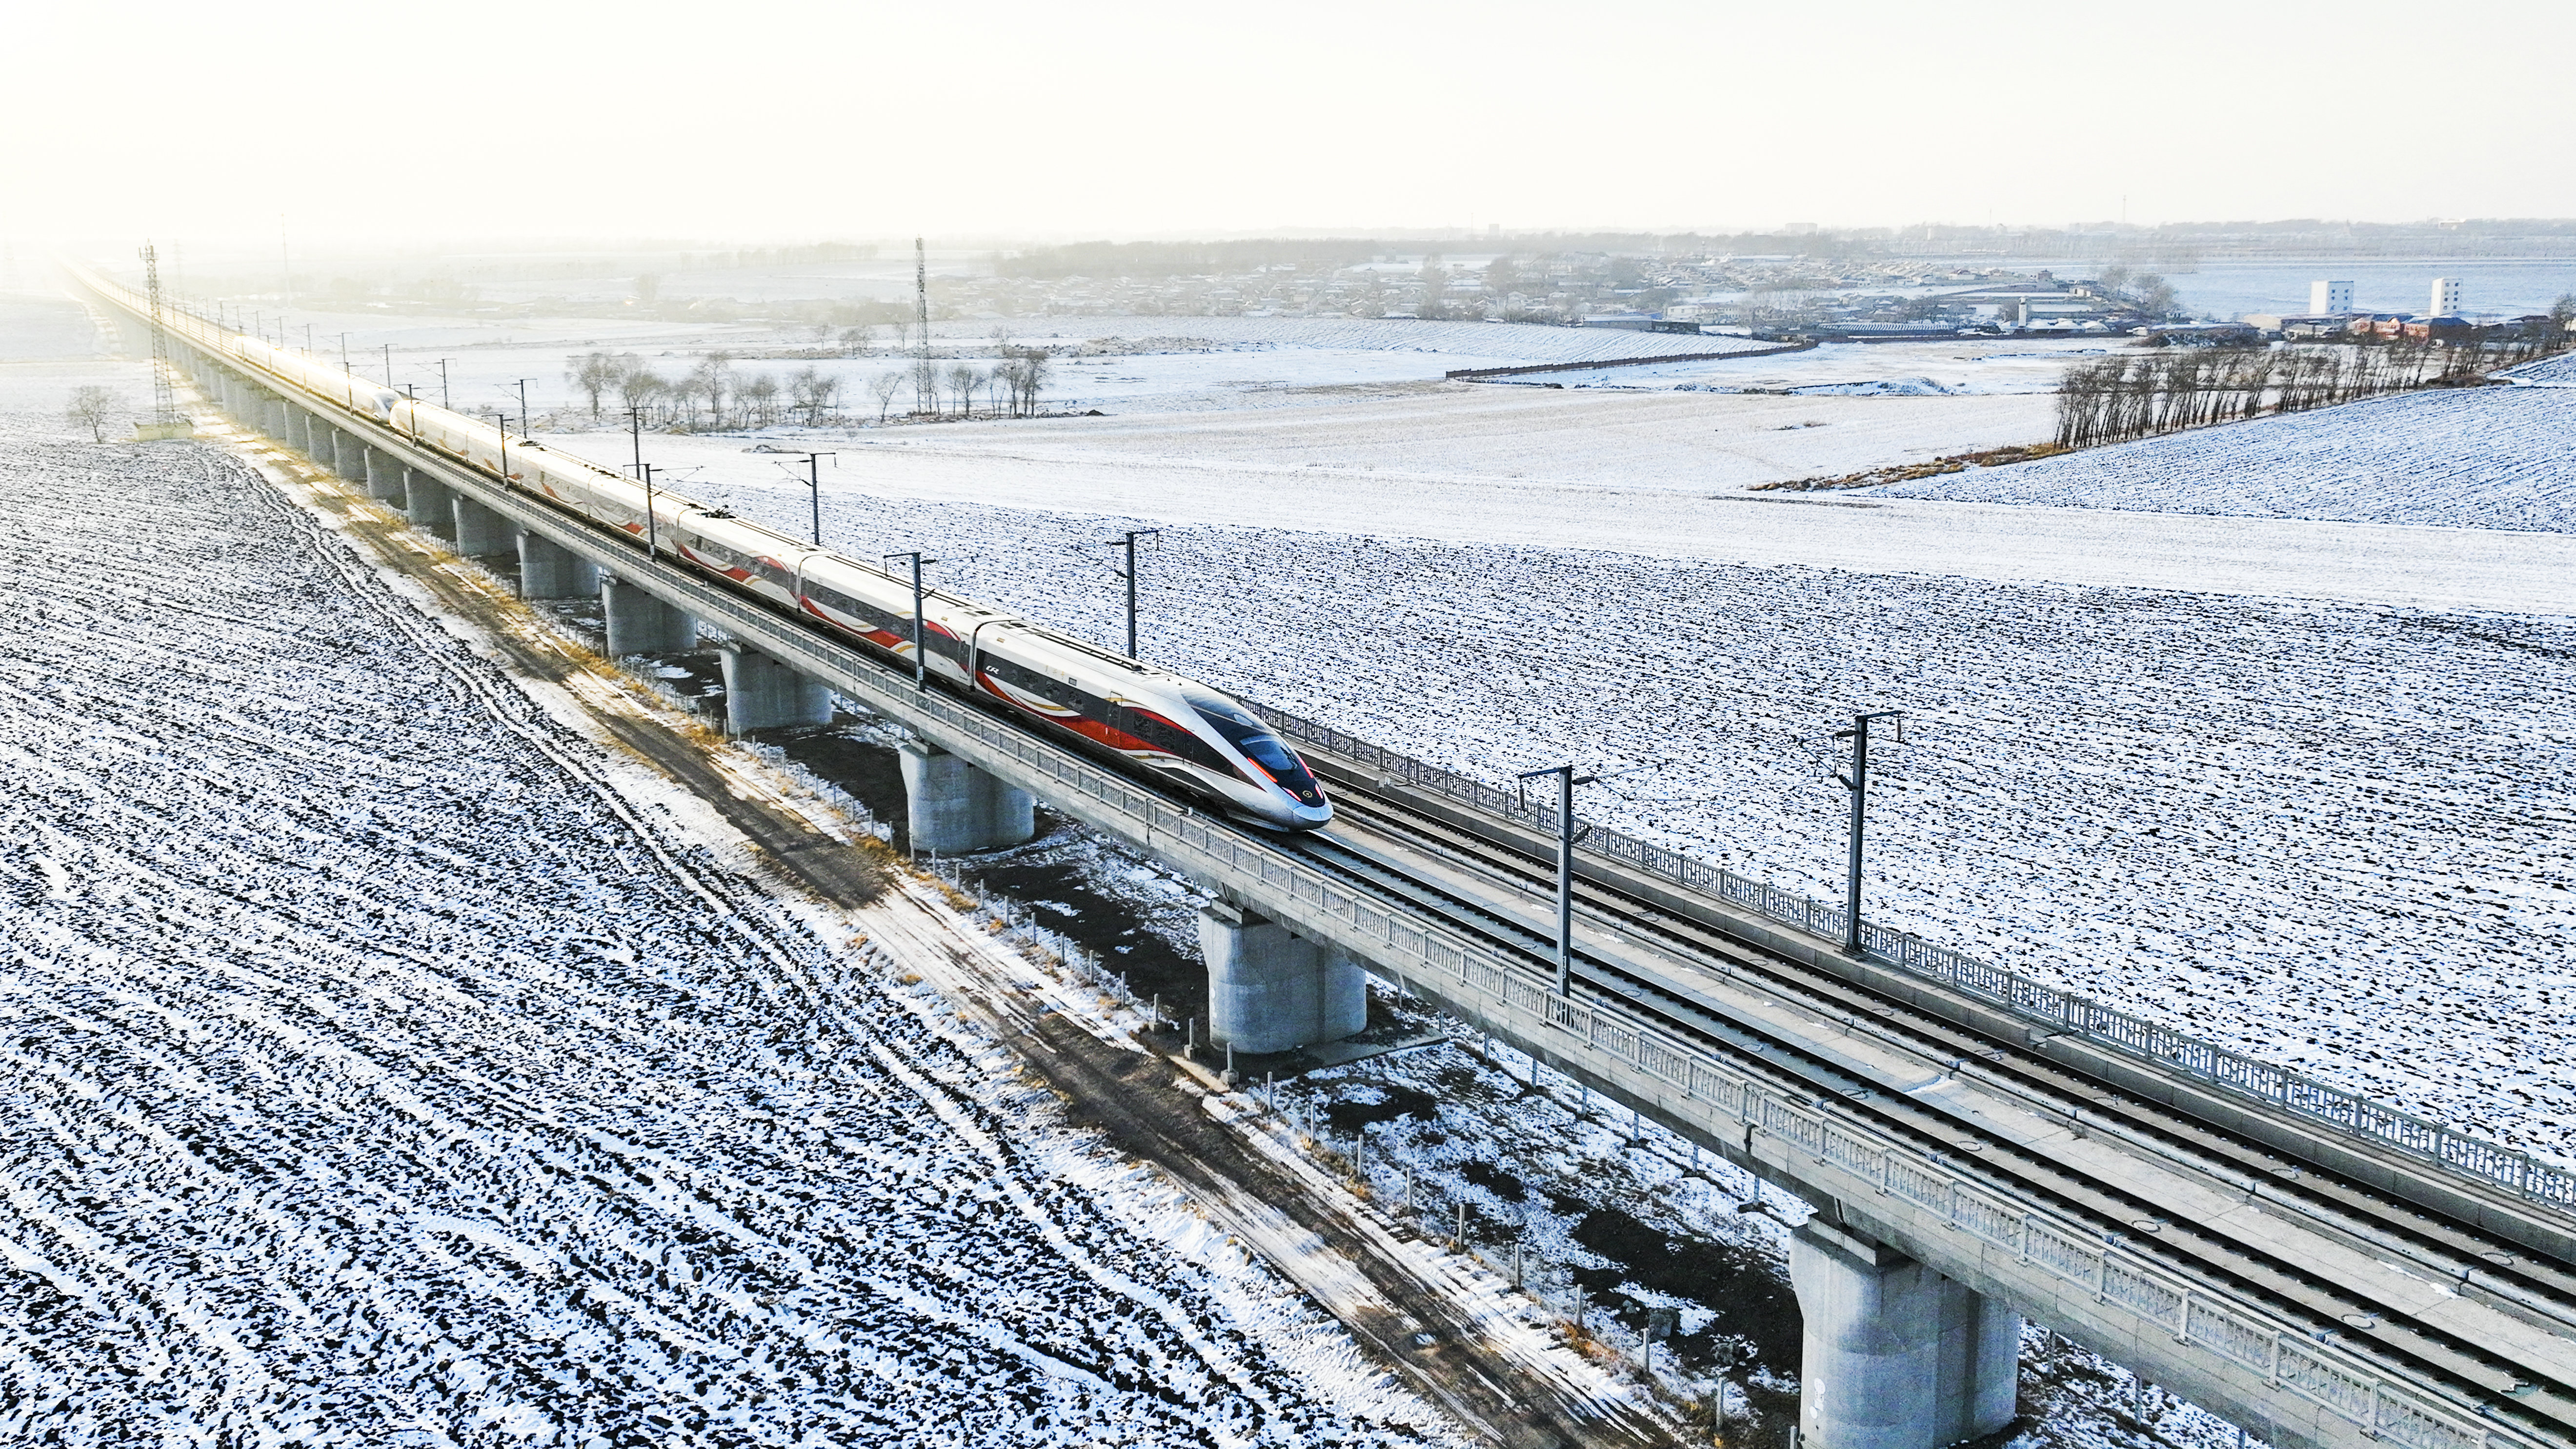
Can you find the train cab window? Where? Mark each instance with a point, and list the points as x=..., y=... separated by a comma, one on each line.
x=1260, y=746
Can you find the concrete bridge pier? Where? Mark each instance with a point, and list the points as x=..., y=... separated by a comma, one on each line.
x=548, y=570
x=348, y=456
x=1896, y=1356
x=479, y=530
x=952, y=808
x=425, y=503
x=384, y=475
x=639, y=623
x=762, y=693
x=1271, y=991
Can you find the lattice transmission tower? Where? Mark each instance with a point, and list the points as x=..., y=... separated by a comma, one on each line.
x=165, y=413
x=925, y=373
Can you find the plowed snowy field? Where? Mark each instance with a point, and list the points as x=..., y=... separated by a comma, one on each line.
x=377, y=1070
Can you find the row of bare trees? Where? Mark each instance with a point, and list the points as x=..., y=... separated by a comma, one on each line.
x=2138, y=395
x=711, y=395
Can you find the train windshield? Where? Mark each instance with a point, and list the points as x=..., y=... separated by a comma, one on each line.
x=1261, y=747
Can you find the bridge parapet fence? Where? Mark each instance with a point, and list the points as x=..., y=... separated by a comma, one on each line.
x=1615, y=1040
x=2064, y=1011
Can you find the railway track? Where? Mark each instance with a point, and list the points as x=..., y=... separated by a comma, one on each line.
x=1665, y=964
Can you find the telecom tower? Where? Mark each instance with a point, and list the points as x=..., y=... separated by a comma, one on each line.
x=165, y=414
x=925, y=378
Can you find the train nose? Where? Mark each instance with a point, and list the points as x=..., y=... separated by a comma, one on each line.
x=1313, y=816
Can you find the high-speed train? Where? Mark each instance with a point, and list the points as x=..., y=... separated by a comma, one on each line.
x=1182, y=733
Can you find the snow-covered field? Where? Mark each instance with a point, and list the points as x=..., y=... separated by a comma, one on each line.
x=2489, y=457
x=1613, y=471
x=386, y=1065
x=2314, y=830
x=1123, y=363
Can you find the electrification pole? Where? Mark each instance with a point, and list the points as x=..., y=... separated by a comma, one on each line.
x=1566, y=836
x=1128, y=542
x=652, y=527
x=814, y=487
x=442, y=382
x=522, y=386
x=920, y=634
x=1857, y=782
x=389, y=364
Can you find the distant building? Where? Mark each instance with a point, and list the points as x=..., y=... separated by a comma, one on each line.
x=2446, y=297
x=2199, y=334
x=2293, y=324
x=2427, y=329
x=1800, y=228
x=2329, y=299
x=1642, y=322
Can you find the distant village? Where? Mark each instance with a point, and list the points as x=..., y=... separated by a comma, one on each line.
x=1775, y=295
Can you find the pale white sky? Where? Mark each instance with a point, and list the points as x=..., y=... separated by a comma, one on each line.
x=793, y=120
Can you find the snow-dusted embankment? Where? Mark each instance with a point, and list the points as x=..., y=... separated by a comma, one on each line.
x=376, y=1071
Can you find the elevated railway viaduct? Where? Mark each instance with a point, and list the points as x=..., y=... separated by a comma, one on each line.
x=2320, y=1270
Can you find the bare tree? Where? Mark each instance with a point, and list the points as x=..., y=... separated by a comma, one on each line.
x=811, y=390
x=885, y=385
x=963, y=380
x=93, y=408
x=638, y=385
x=594, y=374
x=1027, y=370
x=714, y=378
x=759, y=396
x=685, y=394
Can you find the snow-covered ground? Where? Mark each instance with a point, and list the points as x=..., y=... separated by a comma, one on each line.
x=2309, y=829
x=1522, y=469
x=384, y=1063
x=1122, y=363
x=2488, y=457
